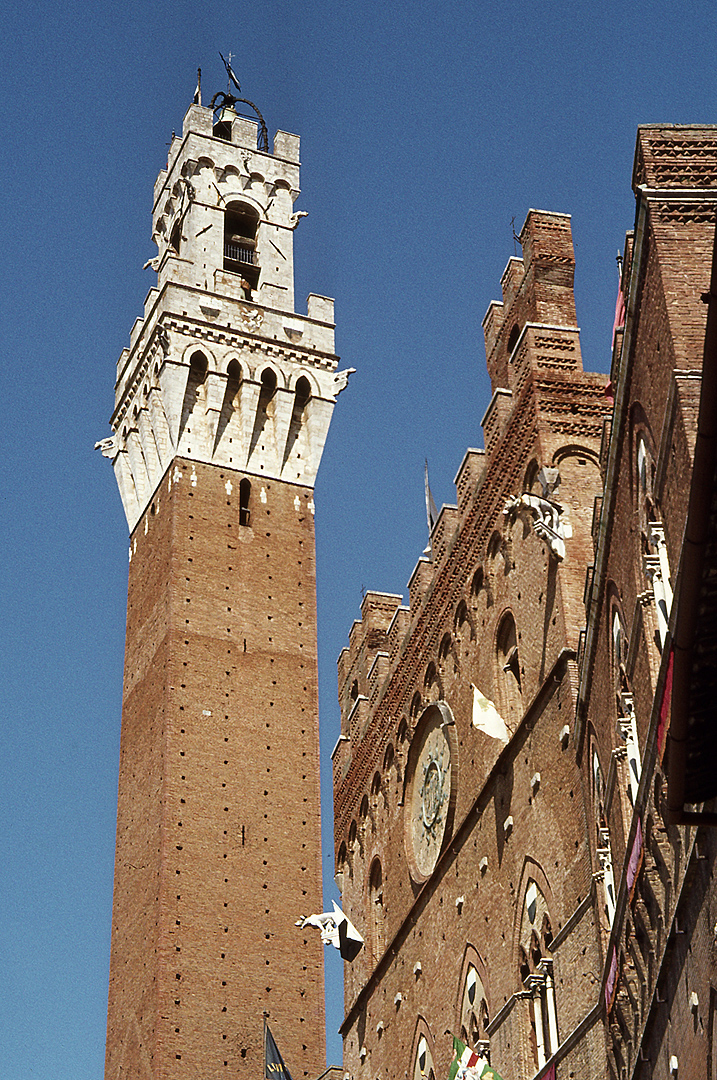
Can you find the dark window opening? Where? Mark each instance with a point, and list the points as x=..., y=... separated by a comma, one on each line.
x=524, y=965
x=244, y=496
x=198, y=367
x=268, y=386
x=513, y=338
x=223, y=130
x=509, y=668
x=175, y=238
x=376, y=910
x=241, y=222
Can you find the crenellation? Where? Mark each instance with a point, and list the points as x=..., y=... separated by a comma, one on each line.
x=377, y=676
x=397, y=630
x=495, y=419
x=418, y=584
x=511, y=282
x=492, y=323
x=286, y=146
x=469, y=476
x=443, y=533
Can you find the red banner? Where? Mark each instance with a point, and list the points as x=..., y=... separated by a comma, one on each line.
x=665, y=709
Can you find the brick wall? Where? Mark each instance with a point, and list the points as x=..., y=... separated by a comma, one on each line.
x=218, y=839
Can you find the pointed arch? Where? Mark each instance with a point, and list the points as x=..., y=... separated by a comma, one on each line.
x=421, y=1062
x=531, y=871
x=472, y=1008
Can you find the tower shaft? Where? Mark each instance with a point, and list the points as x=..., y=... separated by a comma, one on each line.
x=223, y=402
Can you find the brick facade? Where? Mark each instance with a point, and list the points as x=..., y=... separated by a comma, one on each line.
x=549, y=911
x=219, y=785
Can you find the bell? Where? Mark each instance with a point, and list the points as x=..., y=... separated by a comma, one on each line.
x=227, y=115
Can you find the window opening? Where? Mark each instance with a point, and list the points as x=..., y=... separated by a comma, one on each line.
x=244, y=496
x=509, y=669
x=376, y=908
x=241, y=222
x=175, y=238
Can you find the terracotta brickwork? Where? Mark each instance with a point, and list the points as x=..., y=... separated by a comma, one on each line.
x=502, y=830
x=515, y=817
x=660, y=1009
x=217, y=843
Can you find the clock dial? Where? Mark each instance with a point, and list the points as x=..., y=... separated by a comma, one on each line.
x=429, y=800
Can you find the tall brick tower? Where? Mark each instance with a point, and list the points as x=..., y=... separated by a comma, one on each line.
x=223, y=402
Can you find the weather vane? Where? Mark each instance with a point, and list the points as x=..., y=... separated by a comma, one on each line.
x=228, y=100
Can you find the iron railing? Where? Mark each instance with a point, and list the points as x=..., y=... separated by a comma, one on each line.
x=240, y=253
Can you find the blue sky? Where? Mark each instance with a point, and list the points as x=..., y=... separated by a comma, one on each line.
x=426, y=129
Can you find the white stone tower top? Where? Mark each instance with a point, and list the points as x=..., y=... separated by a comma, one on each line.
x=221, y=369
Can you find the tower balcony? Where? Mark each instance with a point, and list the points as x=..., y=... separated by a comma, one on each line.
x=240, y=253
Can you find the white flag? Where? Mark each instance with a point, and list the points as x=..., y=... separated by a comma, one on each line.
x=487, y=718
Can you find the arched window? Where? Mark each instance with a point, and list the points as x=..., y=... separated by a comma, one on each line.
x=376, y=909
x=530, y=480
x=509, y=672
x=244, y=497
x=513, y=337
x=268, y=385
x=474, y=1008
x=463, y=625
x=536, y=973
x=303, y=392
x=423, y=1068
x=234, y=377
x=598, y=791
x=644, y=493
x=432, y=683
x=241, y=222
x=198, y=366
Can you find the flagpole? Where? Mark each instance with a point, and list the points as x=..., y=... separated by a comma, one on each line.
x=263, y=1068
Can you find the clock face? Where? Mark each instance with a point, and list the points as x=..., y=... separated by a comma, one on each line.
x=429, y=799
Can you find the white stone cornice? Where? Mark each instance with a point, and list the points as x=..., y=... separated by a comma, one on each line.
x=280, y=437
